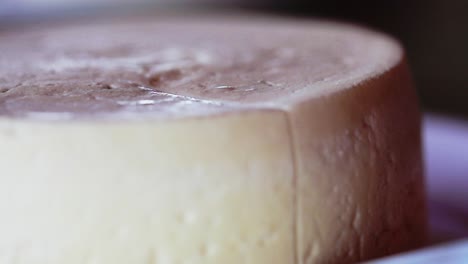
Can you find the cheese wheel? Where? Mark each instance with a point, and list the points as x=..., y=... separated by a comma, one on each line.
x=206, y=139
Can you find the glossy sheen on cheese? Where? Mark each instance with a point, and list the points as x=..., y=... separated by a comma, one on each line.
x=206, y=140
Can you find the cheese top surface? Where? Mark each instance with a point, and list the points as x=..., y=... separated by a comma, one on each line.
x=167, y=66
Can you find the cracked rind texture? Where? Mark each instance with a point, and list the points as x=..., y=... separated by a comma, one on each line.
x=316, y=170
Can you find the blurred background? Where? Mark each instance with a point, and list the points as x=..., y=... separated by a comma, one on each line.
x=434, y=33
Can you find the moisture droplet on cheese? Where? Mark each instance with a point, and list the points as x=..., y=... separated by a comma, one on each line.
x=171, y=139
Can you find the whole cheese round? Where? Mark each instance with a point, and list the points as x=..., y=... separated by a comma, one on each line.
x=206, y=139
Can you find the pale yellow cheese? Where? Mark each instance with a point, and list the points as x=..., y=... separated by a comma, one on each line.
x=186, y=191
x=318, y=163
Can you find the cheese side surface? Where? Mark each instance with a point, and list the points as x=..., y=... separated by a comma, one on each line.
x=359, y=192
x=176, y=192
x=162, y=140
